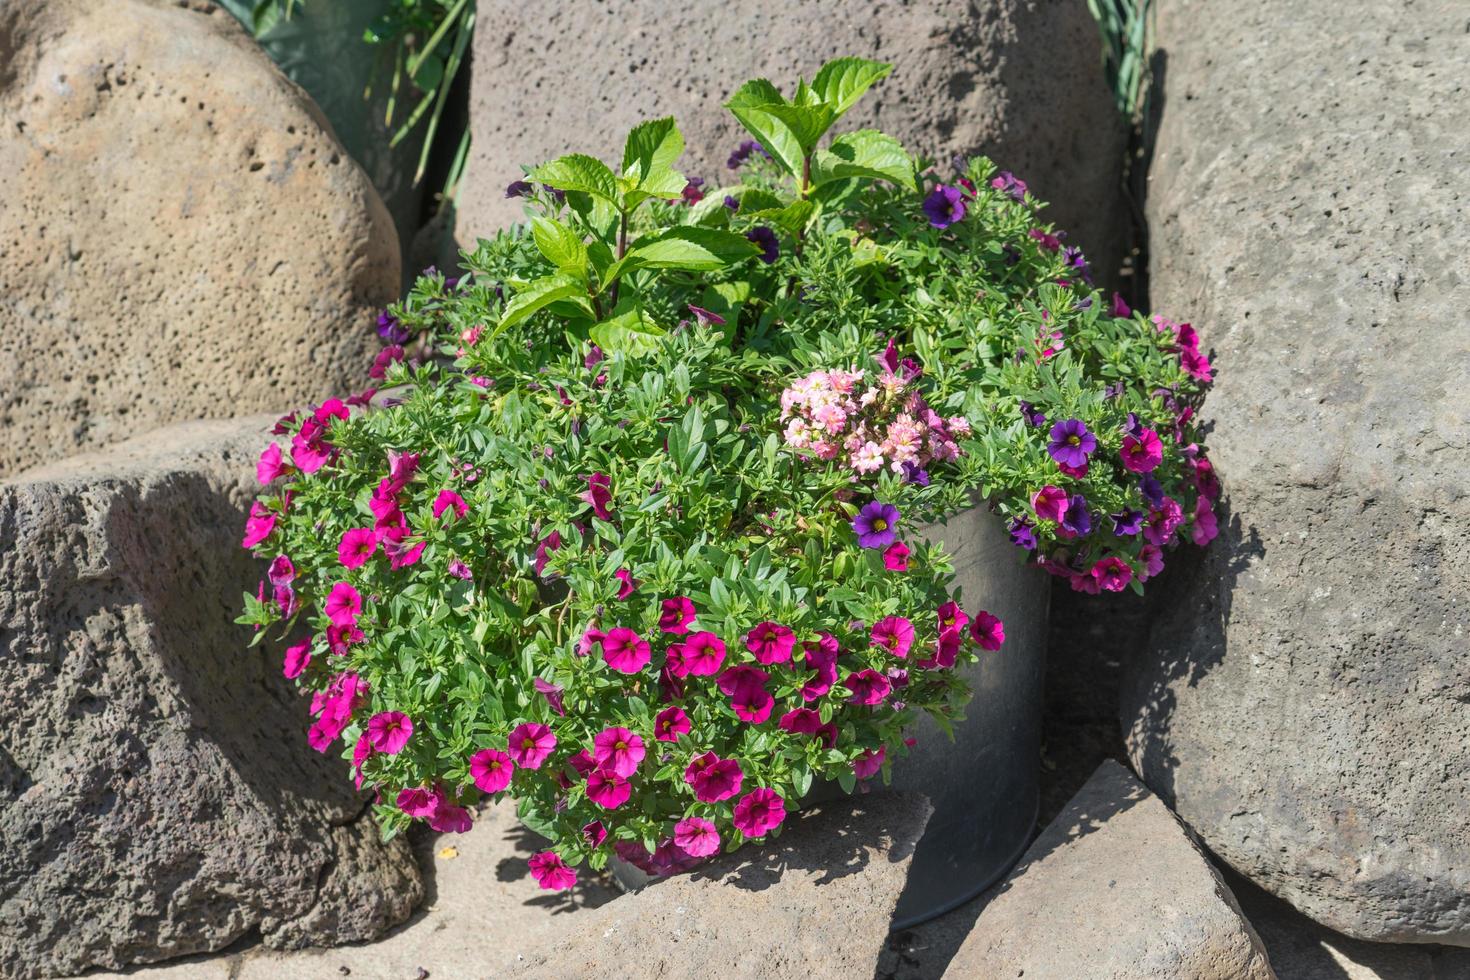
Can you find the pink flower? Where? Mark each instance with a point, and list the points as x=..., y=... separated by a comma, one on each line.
x=271, y=467
x=388, y=731
x=670, y=723
x=546, y=546
x=598, y=495
x=700, y=655
x=807, y=721
x=1049, y=503
x=258, y=526
x=628, y=584
x=714, y=779
x=867, y=687
x=895, y=634
x=896, y=557
x=590, y=639
x=449, y=500
x=491, y=770
x=448, y=818
x=867, y=765
x=419, y=801
x=1206, y=527
x=386, y=358
x=281, y=571
x=530, y=744
x=340, y=638
x=551, y=872
x=1163, y=521
x=356, y=547
x=678, y=613
x=343, y=605
x=459, y=569
x=771, y=643
x=618, y=750
x=1075, y=472
x=748, y=696
x=625, y=651
x=697, y=836
x=1195, y=364
x=1152, y=557
x=607, y=789
x=988, y=631
x=594, y=833
x=951, y=617
x=1112, y=574
x=361, y=752
x=820, y=656
x=1142, y=453
x=398, y=555
x=552, y=693
x=759, y=812
x=298, y=658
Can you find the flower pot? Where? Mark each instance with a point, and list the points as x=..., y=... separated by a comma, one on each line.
x=983, y=784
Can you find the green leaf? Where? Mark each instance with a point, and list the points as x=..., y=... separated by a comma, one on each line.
x=751, y=105
x=267, y=14
x=865, y=153
x=685, y=247
x=630, y=332
x=791, y=219
x=652, y=146
x=807, y=123
x=578, y=172
x=666, y=184
x=541, y=293
x=842, y=81
x=429, y=74
x=562, y=247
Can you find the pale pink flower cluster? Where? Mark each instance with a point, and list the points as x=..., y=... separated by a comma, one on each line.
x=868, y=423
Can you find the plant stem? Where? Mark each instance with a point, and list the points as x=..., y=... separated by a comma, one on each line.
x=622, y=248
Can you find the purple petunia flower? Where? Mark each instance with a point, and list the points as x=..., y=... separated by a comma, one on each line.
x=944, y=206
x=875, y=525
x=913, y=474
x=518, y=188
x=391, y=330
x=1077, y=522
x=1152, y=490
x=1031, y=415
x=731, y=203
x=766, y=239
x=1120, y=309
x=1133, y=427
x=1071, y=443
x=743, y=152
x=1007, y=183
x=705, y=317
x=1021, y=534
x=1127, y=522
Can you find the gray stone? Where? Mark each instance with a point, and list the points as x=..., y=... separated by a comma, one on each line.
x=157, y=795
x=1020, y=80
x=181, y=236
x=816, y=902
x=1302, y=700
x=1113, y=888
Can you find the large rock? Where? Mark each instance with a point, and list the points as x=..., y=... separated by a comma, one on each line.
x=1020, y=80
x=816, y=902
x=1113, y=888
x=180, y=234
x=157, y=796
x=1303, y=700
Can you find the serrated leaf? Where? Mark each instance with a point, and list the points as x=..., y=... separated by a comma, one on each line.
x=842, y=81
x=562, y=247
x=807, y=123
x=651, y=147
x=791, y=219
x=541, y=293
x=750, y=105
x=864, y=153
x=685, y=247
x=631, y=332
x=664, y=184
x=581, y=173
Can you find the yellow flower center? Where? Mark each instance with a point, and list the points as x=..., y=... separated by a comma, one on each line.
x=1074, y=440
x=879, y=524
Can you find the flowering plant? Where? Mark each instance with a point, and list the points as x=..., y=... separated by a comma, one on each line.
x=630, y=533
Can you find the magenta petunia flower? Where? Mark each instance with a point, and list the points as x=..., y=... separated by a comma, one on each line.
x=1071, y=443
x=867, y=686
x=552, y=693
x=944, y=206
x=281, y=571
x=400, y=552
x=741, y=675
x=1112, y=574
x=670, y=723
x=894, y=634
x=701, y=656
x=951, y=617
x=388, y=731
x=544, y=548
x=697, y=836
x=598, y=495
x=1163, y=521
x=356, y=547
x=448, y=818
x=820, y=656
x=258, y=526
x=449, y=500
x=419, y=801
x=459, y=569
x=1075, y=472
x=618, y=750
x=752, y=703
x=807, y=721
x=298, y=658
x=1152, y=557
x=1009, y=184
x=530, y=744
x=1142, y=453
x=677, y=614
x=607, y=789
x=590, y=640
x=713, y=779
x=594, y=833
x=491, y=770
x=361, y=752
x=875, y=524
x=771, y=643
x=896, y=557
x=759, y=812
x=867, y=765
x=343, y=605
x=628, y=586
x=271, y=467
x=551, y=872
x=340, y=638
x=1120, y=309
x=988, y=631
x=582, y=763
x=1206, y=526
x=625, y=651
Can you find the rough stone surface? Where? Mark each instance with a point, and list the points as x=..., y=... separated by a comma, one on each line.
x=181, y=236
x=1020, y=80
x=157, y=796
x=1302, y=703
x=817, y=902
x=1113, y=888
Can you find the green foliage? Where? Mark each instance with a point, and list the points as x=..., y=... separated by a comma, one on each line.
x=1124, y=28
